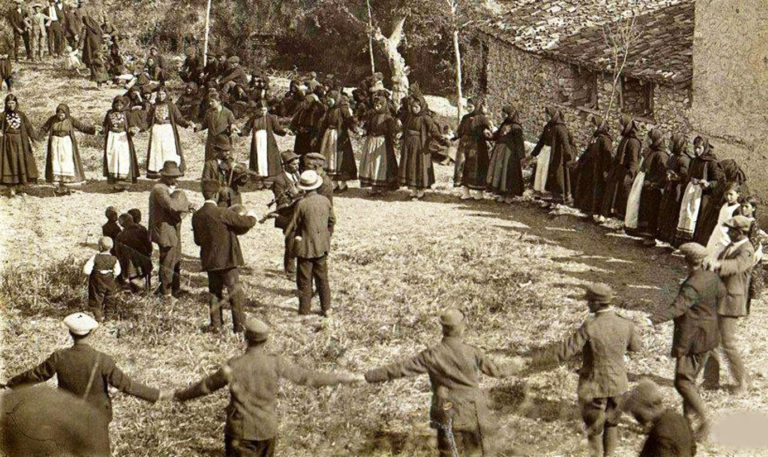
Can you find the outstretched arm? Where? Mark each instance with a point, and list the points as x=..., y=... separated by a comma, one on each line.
x=411, y=367
x=40, y=373
x=207, y=385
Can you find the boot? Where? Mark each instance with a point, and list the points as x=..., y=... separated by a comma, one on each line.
x=216, y=313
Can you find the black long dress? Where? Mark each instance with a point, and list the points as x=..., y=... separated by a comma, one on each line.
x=416, y=171
x=593, y=169
x=559, y=139
x=677, y=174
x=505, y=172
x=655, y=167
x=623, y=170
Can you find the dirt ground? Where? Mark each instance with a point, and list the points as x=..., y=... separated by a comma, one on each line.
x=516, y=270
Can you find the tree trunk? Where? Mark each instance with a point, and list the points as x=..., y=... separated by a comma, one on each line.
x=207, y=27
x=396, y=62
x=457, y=52
x=370, y=37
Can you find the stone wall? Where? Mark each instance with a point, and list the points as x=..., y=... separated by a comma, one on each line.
x=730, y=83
x=531, y=82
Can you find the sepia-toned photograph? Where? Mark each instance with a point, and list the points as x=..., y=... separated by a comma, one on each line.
x=383, y=228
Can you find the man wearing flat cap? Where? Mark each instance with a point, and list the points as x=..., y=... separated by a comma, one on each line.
x=459, y=410
x=669, y=433
x=285, y=187
x=311, y=227
x=254, y=383
x=696, y=334
x=220, y=123
x=227, y=172
x=236, y=76
x=734, y=265
x=216, y=230
x=167, y=206
x=603, y=339
x=85, y=372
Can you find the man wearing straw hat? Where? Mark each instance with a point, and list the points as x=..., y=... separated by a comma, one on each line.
x=167, y=206
x=694, y=312
x=85, y=372
x=312, y=226
x=216, y=230
x=459, y=409
x=316, y=161
x=254, y=381
x=603, y=339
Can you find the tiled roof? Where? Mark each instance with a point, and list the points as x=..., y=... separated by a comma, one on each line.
x=573, y=31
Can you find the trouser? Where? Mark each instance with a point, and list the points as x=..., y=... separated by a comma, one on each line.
x=729, y=346
x=99, y=301
x=39, y=42
x=217, y=281
x=170, y=269
x=249, y=448
x=687, y=370
x=8, y=83
x=27, y=46
x=55, y=38
x=466, y=444
x=309, y=269
x=601, y=417
x=289, y=258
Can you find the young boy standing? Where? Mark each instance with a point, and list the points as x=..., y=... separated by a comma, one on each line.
x=39, y=36
x=102, y=269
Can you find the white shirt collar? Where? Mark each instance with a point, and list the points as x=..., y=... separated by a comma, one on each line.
x=212, y=202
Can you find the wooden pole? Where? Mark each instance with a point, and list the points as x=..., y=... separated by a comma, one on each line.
x=370, y=36
x=207, y=27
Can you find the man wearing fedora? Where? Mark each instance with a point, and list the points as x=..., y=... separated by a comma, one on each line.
x=220, y=123
x=285, y=188
x=19, y=20
x=459, y=411
x=254, y=384
x=216, y=230
x=603, y=339
x=312, y=226
x=696, y=333
x=85, y=372
x=734, y=265
x=167, y=206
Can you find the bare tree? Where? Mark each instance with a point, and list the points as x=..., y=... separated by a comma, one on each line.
x=620, y=37
x=396, y=61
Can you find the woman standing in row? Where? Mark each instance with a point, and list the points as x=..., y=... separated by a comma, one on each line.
x=120, y=164
x=505, y=173
x=164, y=145
x=335, y=143
x=378, y=164
x=17, y=165
x=62, y=162
x=419, y=129
x=471, y=169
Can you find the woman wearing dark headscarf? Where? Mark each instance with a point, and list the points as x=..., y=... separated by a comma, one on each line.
x=593, y=169
x=704, y=177
x=292, y=100
x=505, y=172
x=335, y=144
x=623, y=170
x=62, y=162
x=471, y=169
x=163, y=120
x=560, y=142
x=265, y=155
x=416, y=171
x=120, y=164
x=304, y=124
x=188, y=102
x=378, y=164
x=655, y=169
x=17, y=165
x=677, y=175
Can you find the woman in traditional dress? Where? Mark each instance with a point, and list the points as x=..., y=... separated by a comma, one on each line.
x=623, y=170
x=560, y=142
x=17, y=166
x=704, y=177
x=265, y=155
x=730, y=206
x=471, y=169
x=749, y=210
x=120, y=164
x=378, y=164
x=505, y=172
x=188, y=102
x=62, y=161
x=593, y=169
x=164, y=145
x=463, y=135
x=677, y=173
x=304, y=124
x=416, y=171
x=335, y=144
x=655, y=168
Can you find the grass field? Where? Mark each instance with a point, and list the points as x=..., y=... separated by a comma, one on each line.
x=516, y=271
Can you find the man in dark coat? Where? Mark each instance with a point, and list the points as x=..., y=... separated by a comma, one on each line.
x=459, y=409
x=91, y=37
x=254, y=383
x=696, y=334
x=220, y=124
x=734, y=267
x=285, y=188
x=216, y=230
x=55, y=29
x=228, y=173
x=86, y=372
x=603, y=340
x=312, y=226
x=73, y=25
x=316, y=161
x=133, y=249
x=19, y=20
x=669, y=434
x=236, y=76
x=167, y=206
x=623, y=171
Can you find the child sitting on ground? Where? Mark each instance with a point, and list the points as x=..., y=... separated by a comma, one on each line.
x=111, y=228
x=102, y=269
x=73, y=60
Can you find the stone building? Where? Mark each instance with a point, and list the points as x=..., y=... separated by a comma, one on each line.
x=557, y=52
x=730, y=83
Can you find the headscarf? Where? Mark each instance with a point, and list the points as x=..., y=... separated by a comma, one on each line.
x=63, y=107
x=479, y=103
x=119, y=99
x=679, y=143
x=556, y=116
x=657, y=139
x=629, y=126
x=601, y=127
x=512, y=116
x=11, y=98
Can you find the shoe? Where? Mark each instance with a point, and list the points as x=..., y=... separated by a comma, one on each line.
x=465, y=194
x=327, y=313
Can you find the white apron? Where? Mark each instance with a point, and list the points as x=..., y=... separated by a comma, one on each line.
x=328, y=149
x=118, y=155
x=262, y=166
x=719, y=240
x=163, y=148
x=62, y=156
x=633, y=201
x=689, y=210
x=542, y=169
x=372, y=160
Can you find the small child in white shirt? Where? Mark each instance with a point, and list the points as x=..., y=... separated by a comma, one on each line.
x=73, y=60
